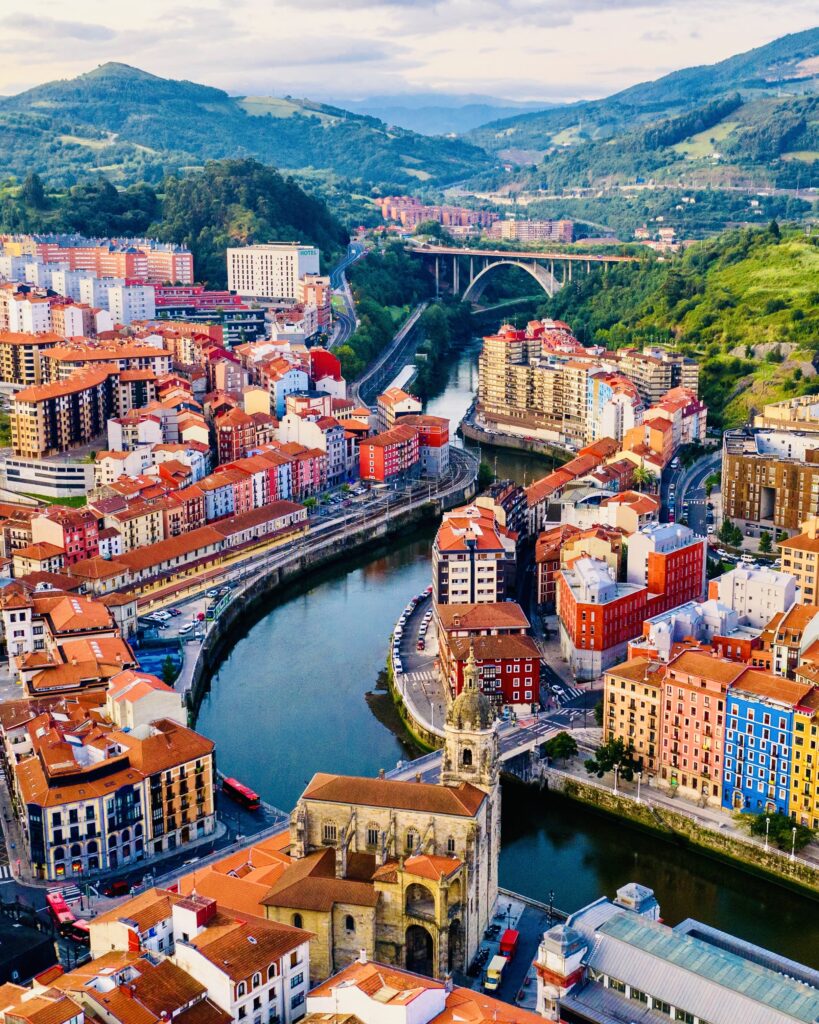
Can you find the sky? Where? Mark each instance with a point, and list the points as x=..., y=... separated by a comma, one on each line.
x=553, y=50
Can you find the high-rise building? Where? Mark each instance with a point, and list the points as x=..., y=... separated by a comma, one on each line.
x=270, y=271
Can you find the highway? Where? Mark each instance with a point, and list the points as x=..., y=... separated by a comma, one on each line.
x=345, y=322
x=531, y=255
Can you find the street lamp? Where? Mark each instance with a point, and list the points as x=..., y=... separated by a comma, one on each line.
x=793, y=843
x=616, y=770
x=639, y=780
x=767, y=827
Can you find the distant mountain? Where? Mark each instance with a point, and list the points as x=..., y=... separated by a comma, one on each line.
x=440, y=113
x=774, y=119
x=137, y=126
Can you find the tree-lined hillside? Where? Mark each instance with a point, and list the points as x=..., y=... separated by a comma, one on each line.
x=744, y=304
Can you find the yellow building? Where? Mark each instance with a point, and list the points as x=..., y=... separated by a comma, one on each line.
x=632, y=708
x=800, y=558
x=139, y=525
x=804, y=797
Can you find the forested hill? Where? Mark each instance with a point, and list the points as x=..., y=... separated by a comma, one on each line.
x=229, y=202
x=745, y=304
x=138, y=127
x=756, y=113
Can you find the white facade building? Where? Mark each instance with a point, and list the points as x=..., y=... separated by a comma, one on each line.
x=755, y=594
x=130, y=302
x=270, y=271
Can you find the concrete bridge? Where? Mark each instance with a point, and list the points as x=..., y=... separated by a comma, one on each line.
x=472, y=267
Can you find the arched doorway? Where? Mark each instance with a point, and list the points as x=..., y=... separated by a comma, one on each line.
x=419, y=901
x=455, y=958
x=419, y=950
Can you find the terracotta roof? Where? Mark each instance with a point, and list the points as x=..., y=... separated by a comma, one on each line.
x=639, y=670
x=706, y=666
x=462, y=801
x=397, y=435
x=98, y=568
x=773, y=687
x=426, y=865
x=492, y=615
x=144, y=911
x=173, y=547
x=132, y=685
x=37, y=552
x=240, y=948
x=80, y=380
x=311, y=884
x=168, y=745
x=490, y=648
x=802, y=542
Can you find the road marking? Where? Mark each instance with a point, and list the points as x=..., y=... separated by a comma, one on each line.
x=70, y=893
x=5, y=872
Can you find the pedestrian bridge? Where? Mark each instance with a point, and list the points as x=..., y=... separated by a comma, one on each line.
x=470, y=269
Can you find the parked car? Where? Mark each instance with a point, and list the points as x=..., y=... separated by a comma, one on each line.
x=119, y=887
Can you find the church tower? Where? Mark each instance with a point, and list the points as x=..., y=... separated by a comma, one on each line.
x=470, y=741
x=471, y=755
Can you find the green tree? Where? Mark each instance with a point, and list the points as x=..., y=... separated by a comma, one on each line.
x=33, y=193
x=169, y=672
x=560, y=747
x=614, y=753
x=642, y=477
x=598, y=713
x=780, y=831
x=765, y=543
x=485, y=476
x=711, y=481
x=726, y=531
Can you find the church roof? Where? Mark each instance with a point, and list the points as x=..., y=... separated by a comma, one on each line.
x=463, y=800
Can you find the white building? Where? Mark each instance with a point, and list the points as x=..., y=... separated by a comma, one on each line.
x=754, y=594
x=94, y=290
x=130, y=302
x=29, y=314
x=67, y=282
x=270, y=271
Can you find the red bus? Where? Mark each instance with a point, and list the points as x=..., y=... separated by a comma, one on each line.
x=80, y=931
x=241, y=794
x=60, y=912
x=509, y=943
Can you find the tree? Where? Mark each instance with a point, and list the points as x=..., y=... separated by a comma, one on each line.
x=33, y=192
x=712, y=481
x=614, y=753
x=780, y=831
x=169, y=672
x=726, y=531
x=642, y=477
x=560, y=747
x=598, y=713
x=485, y=476
x=765, y=543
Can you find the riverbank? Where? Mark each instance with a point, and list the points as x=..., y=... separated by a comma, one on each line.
x=470, y=429
x=686, y=827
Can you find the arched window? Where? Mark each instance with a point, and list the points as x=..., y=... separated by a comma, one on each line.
x=466, y=757
x=59, y=853
x=240, y=989
x=257, y=980
x=92, y=845
x=126, y=836
x=76, y=850
x=271, y=972
x=413, y=840
x=297, y=921
x=138, y=829
x=349, y=923
x=112, y=841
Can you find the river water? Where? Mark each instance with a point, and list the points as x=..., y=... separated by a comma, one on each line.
x=296, y=695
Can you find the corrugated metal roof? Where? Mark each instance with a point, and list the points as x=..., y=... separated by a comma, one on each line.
x=715, y=984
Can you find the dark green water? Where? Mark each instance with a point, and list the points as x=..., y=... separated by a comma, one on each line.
x=291, y=699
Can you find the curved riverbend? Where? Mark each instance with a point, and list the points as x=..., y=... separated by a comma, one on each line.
x=291, y=699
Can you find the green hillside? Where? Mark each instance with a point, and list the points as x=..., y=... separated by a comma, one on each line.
x=134, y=126
x=755, y=114
x=229, y=202
x=745, y=304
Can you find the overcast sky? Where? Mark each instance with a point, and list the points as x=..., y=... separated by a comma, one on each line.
x=525, y=49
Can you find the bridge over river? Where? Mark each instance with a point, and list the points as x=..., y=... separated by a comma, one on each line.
x=474, y=266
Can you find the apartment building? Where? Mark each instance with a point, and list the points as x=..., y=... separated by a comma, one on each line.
x=270, y=271
x=390, y=455
x=473, y=558
x=657, y=370
x=800, y=559
x=433, y=442
x=392, y=405
x=804, y=782
x=770, y=477
x=507, y=667
x=755, y=594
x=21, y=356
x=633, y=710
x=533, y=230
x=51, y=418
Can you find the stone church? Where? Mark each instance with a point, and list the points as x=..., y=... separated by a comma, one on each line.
x=407, y=871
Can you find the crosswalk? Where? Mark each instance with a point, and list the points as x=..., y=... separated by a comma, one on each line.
x=5, y=873
x=566, y=694
x=427, y=675
x=70, y=893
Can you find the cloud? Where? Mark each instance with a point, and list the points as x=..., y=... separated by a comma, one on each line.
x=33, y=27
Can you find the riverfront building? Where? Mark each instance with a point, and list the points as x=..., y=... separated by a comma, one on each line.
x=271, y=271
x=632, y=708
x=406, y=872
x=614, y=961
x=759, y=740
x=473, y=558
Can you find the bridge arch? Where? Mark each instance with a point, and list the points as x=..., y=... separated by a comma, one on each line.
x=547, y=281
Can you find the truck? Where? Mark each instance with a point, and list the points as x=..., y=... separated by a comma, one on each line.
x=494, y=972
x=509, y=943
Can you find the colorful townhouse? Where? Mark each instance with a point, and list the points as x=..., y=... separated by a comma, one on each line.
x=759, y=731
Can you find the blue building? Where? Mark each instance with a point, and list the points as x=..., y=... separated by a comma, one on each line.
x=759, y=742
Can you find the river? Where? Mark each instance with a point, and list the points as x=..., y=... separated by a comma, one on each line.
x=296, y=696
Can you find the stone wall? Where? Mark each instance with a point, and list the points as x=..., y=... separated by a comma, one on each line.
x=674, y=825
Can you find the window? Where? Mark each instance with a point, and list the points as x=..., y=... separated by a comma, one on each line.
x=256, y=981
x=372, y=835
x=413, y=840
x=297, y=1000
x=349, y=923
x=272, y=971
x=240, y=990
x=297, y=920
x=450, y=845
x=466, y=757
x=296, y=980
x=330, y=832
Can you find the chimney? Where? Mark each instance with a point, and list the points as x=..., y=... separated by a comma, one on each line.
x=381, y=773
x=448, y=985
x=362, y=956
x=417, y=776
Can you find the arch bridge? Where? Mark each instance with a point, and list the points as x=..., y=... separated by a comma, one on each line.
x=454, y=267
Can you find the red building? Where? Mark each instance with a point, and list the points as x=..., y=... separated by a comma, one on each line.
x=238, y=433
x=323, y=364
x=433, y=442
x=76, y=531
x=389, y=455
x=192, y=501
x=508, y=666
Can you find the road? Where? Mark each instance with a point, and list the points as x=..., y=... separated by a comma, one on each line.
x=345, y=322
x=384, y=369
